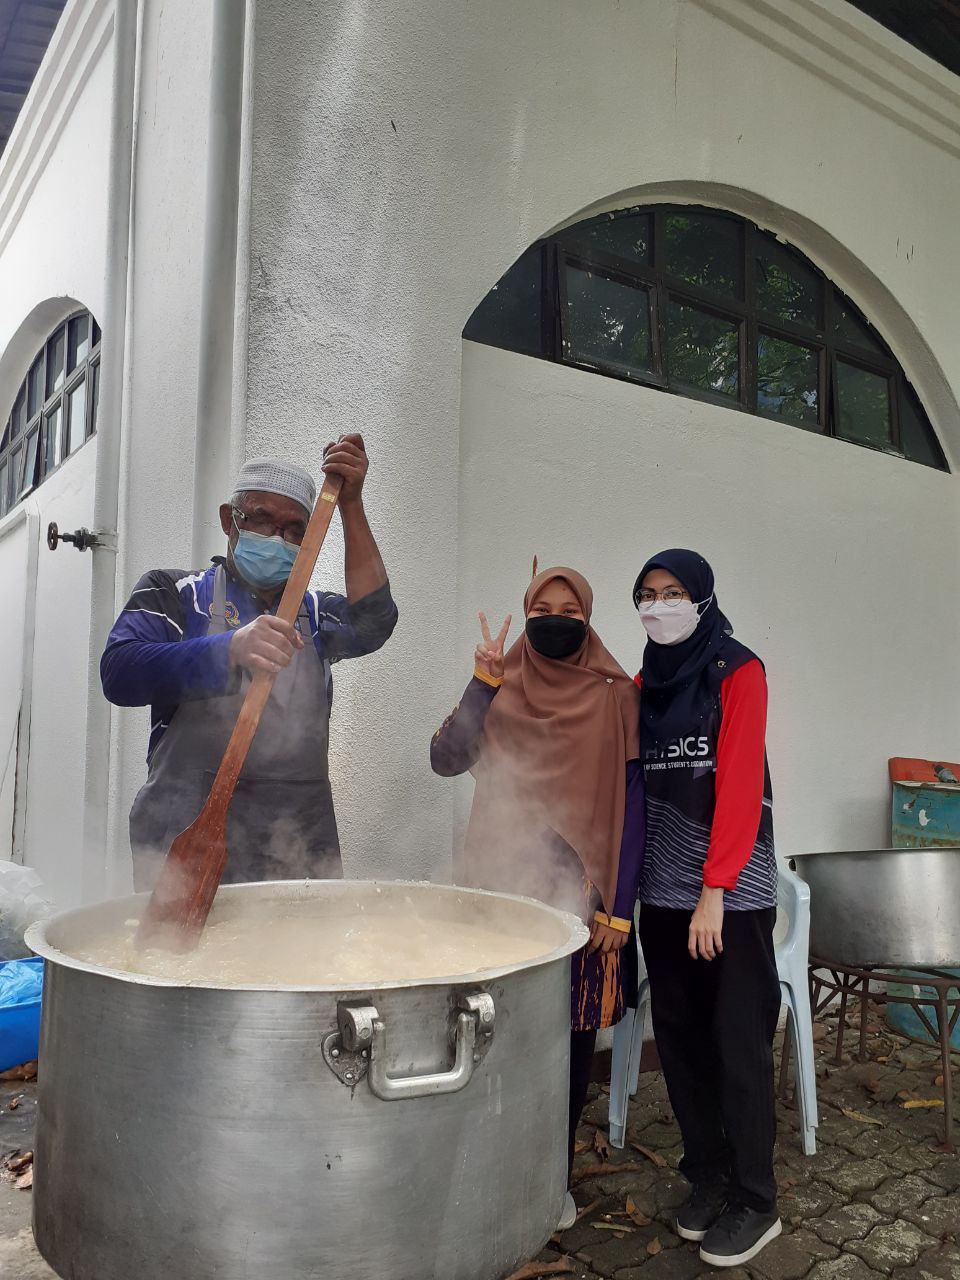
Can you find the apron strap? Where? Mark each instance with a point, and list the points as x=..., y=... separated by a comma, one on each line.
x=218, y=619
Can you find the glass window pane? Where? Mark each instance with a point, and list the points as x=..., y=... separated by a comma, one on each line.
x=787, y=287
x=606, y=322
x=703, y=351
x=863, y=405
x=3, y=489
x=95, y=331
x=787, y=380
x=55, y=354
x=918, y=439
x=78, y=342
x=13, y=477
x=849, y=326
x=511, y=315
x=623, y=235
x=19, y=419
x=705, y=250
x=94, y=376
x=77, y=416
x=28, y=477
x=35, y=387
x=53, y=448
x=5, y=439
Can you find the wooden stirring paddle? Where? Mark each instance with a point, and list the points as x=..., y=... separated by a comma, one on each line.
x=190, y=877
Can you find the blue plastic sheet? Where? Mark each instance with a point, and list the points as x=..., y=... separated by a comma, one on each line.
x=21, y=987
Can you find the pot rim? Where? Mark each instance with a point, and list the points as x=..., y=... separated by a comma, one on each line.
x=870, y=853
x=36, y=939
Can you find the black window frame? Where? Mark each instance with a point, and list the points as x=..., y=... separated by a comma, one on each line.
x=561, y=250
x=16, y=435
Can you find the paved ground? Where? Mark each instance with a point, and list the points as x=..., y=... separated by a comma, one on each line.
x=879, y=1200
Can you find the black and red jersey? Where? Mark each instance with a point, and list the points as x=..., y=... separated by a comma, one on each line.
x=709, y=804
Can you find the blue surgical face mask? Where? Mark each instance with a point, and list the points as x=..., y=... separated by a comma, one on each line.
x=263, y=562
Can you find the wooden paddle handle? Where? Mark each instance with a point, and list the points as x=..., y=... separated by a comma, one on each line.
x=225, y=783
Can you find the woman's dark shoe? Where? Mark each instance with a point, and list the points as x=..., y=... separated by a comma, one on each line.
x=738, y=1235
x=700, y=1211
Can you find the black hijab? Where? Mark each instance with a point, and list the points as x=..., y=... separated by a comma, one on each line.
x=665, y=665
x=681, y=681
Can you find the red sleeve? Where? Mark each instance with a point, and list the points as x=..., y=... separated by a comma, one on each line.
x=740, y=773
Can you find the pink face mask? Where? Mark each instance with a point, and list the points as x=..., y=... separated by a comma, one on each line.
x=669, y=623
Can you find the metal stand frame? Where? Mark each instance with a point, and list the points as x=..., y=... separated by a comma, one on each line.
x=848, y=982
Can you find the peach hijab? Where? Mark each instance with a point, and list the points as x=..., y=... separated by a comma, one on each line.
x=554, y=758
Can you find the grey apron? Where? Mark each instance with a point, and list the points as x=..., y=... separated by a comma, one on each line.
x=281, y=823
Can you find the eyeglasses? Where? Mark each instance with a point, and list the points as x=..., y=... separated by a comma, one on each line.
x=671, y=596
x=261, y=523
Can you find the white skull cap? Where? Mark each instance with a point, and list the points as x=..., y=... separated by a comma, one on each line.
x=270, y=475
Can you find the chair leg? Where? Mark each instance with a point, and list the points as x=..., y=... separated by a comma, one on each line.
x=625, y=1066
x=636, y=1039
x=620, y=1079
x=801, y=1025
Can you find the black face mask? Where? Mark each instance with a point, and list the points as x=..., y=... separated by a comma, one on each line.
x=556, y=637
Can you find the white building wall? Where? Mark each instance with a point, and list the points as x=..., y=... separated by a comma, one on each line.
x=53, y=178
x=160, y=417
x=404, y=156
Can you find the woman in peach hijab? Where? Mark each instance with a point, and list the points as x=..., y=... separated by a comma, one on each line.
x=550, y=732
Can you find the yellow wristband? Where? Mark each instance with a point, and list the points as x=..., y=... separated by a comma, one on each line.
x=493, y=681
x=613, y=922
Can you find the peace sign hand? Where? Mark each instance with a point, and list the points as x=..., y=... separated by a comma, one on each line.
x=489, y=655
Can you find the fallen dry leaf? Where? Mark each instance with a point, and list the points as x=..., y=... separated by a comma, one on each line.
x=861, y=1118
x=17, y=1164
x=588, y=1208
x=581, y=1146
x=600, y=1145
x=601, y=1170
x=25, y=1181
x=938, y=1082
x=533, y=1270
x=636, y=1215
x=654, y=1247
x=26, y=1071
x=612, y=1226
x=913, y=1103
x=655, y=1156
x=13, y=1104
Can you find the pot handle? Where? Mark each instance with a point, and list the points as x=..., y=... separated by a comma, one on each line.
x=363, y=1031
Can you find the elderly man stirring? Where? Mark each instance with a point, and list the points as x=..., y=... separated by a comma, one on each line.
x=187, y=643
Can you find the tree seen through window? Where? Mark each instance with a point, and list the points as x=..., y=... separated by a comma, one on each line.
x=708, y=305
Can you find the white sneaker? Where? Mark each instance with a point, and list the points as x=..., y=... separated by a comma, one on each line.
x=569, y=1215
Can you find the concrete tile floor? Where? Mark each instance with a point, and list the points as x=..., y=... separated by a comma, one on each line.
x=879, y=1201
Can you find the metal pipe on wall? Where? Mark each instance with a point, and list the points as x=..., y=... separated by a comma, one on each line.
x=26, y=515
x=218, y=303
x=114, y=400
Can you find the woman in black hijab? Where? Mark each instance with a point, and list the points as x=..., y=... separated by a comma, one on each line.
x=708, y=897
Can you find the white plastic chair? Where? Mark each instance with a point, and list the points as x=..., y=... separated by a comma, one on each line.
x=792, y=936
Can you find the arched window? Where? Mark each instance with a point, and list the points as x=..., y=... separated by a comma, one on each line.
x=706, y=304
x=55, y=410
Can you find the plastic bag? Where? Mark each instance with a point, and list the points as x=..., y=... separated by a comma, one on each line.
x=21, y=988
x=22, y=903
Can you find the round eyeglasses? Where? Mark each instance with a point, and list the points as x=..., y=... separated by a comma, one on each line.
x=260, y=522
x=672, y=596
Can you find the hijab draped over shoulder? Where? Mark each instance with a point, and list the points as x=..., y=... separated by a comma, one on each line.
x=553, y=759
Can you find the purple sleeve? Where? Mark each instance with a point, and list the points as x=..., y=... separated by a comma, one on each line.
x=147, y=660
x=456, y=744
x=632, y=844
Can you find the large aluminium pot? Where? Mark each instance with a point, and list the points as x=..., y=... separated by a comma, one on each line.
x=193, y=1132
x=884, y=906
